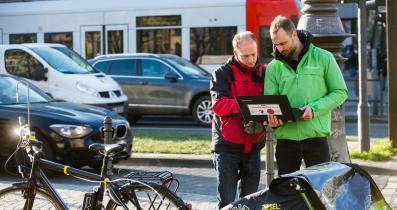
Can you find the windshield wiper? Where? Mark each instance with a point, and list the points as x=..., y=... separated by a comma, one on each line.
x=39, y=102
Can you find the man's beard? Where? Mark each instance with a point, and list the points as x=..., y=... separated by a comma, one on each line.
x=291, y=52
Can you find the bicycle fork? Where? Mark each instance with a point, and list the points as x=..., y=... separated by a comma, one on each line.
x=30, y=194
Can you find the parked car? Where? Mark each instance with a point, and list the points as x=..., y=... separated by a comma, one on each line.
x=67, y=129
x=63, y=73
x=158, y=84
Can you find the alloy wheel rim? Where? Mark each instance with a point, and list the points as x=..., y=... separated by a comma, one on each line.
x=204, y=111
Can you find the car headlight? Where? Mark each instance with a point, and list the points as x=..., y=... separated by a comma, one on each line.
x=87, y=89
x=71, y=131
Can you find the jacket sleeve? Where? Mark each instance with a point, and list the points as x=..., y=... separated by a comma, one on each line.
x=222, y=102
x=337, y=90
x=271, y=84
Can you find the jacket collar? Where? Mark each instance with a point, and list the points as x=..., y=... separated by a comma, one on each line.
x=242, y=67
x=305, y=38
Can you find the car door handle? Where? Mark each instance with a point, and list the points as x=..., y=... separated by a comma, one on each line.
x=144, y=83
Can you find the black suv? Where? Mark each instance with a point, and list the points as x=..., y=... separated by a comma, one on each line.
x=158, y=84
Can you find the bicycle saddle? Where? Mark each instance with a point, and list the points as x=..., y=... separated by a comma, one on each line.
x=107, y=149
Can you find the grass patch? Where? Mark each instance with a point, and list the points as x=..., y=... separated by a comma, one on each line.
x=172, y=142
x=184, y=142
x=380, y=150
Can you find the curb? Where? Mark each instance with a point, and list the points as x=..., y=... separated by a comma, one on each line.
x=205, y=161
x=373, y=119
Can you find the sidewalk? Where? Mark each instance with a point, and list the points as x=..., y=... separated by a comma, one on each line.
x=386, y=169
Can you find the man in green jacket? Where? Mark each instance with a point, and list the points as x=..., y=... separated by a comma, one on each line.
x=313, y=82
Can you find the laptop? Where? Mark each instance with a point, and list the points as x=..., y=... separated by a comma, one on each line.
x=257, y=108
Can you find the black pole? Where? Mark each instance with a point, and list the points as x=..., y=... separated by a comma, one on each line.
x=269, y=155
x=391, y=27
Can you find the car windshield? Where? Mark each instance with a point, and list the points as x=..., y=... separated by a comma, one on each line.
x=186, y=66
x=8, y=94
x=64, y=60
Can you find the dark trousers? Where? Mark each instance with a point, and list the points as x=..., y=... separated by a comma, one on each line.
x=289, y=153
x=232, y=168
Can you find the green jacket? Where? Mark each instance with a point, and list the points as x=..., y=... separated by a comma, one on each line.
x=317, y=82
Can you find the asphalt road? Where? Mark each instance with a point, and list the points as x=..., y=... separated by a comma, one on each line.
x=378, y=130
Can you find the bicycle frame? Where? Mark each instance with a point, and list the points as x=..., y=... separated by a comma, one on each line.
x=36, y=174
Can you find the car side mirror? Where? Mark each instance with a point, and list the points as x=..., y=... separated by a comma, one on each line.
x=39, y=73
x=49, y=94
x=172, y=76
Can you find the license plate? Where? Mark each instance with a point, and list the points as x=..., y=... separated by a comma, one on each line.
x=118, y=109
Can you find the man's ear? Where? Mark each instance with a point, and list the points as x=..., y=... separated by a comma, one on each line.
x=294, y=34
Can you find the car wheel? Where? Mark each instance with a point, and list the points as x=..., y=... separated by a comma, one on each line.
x=202, y=111
x=48, y=154
x=132, y=119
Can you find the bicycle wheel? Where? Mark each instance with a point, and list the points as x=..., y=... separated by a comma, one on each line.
x=147, y=198
x=12, y=198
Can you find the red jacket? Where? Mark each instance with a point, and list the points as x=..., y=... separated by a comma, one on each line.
x=231, y=80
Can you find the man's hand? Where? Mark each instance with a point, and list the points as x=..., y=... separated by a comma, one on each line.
x=272, y=121
x=307, y=112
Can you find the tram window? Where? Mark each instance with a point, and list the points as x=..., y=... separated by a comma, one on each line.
x=23, y=38
x=65, y=38
x=266, y=44
x=124, y=67
x=153, y=21
x=210, y=45
x=21, y=63
x=92, y=44
x=159, y=41
x=115, y=42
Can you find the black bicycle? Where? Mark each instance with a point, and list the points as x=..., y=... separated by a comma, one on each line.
x=132, y=190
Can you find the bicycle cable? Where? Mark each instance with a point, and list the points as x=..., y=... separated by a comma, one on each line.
x=13, y=153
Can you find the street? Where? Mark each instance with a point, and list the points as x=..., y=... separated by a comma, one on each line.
x=197, y=185
x=378, y=130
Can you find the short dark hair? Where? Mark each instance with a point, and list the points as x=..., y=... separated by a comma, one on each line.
x=282, y=22
x=242, y=37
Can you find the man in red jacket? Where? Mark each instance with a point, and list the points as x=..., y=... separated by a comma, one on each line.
x=236, y=148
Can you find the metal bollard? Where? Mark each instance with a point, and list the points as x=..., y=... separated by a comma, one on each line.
x=108, y=139
x=107, y=130
x=269, y=155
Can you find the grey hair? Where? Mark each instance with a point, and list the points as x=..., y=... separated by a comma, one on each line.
x=241, y=37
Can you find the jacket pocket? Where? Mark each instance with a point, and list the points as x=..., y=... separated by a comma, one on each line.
x=313, y=71
x=232, y=130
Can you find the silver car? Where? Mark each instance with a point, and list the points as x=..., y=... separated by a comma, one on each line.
x=160, y=85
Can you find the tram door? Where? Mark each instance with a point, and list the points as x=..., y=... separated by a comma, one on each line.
x=103, y=39
x=1, y=36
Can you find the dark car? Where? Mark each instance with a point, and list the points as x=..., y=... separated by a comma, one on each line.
x=67, y=129
x=158, y=84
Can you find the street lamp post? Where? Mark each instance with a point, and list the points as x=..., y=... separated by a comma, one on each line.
x=363, y=106
x=321, y=20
